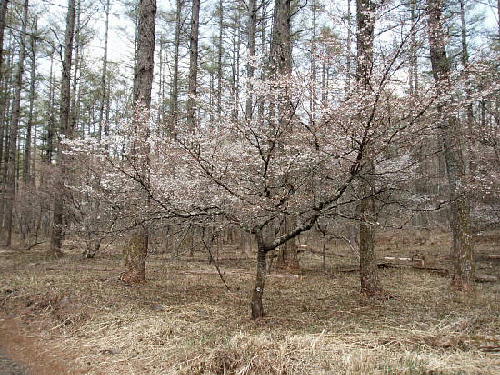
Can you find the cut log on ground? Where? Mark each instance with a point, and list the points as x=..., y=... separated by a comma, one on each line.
x=441, y=271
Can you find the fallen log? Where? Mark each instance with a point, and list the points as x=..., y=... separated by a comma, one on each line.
x=486, y=278
x=441, y=271
x=490, y=348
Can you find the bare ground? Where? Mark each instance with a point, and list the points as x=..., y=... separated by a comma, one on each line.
x=76, y=317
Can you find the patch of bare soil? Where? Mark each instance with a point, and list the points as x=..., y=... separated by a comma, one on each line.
x=26, y=355
x=184, y=320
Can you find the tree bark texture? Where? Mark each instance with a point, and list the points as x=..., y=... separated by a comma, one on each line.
x=103, y=125
x=3, y=13
x=135, y=257
x=281, y=45
x=281, y=65
x=365, y=21
x=135, y=252
x=174, y=97
x=220, y=53
x=10, y=183
x=260, y=279
x=451, y=137
x=143, y=78
x=193, y=65
x=3, y=130
x=251, y=35
x=370, y=284
x=288, y=253
x=57, y=234
x=29, y=125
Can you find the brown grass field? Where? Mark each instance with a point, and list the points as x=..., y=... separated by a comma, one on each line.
x=74, y=316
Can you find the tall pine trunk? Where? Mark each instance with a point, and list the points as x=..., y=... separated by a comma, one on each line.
x=174, y=96
x=10, y=183
x=281, y=66
x=451, y=136
x=365, y=20
x=251, y=35
x=193, y=65
x=220, y=53
x=136, y=251
x=57, y=234
x=27, y=173
x=3, y=94
x=103, y=124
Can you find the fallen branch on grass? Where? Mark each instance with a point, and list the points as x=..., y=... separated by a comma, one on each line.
x=33, y=245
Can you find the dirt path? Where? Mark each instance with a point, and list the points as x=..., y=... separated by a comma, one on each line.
x=9, y=367
x=16, y=348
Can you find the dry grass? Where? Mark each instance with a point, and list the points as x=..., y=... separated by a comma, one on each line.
x=183, y=321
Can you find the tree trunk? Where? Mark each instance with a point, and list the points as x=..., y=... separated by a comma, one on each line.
x=10, y=183
x=220, y=53
x=235, y=66
x=57, y=234
x=281, y=46
x=370, y=284
x=161, y=85
x=348, y=48
x=288, y=255
x=469, y=109
x=193, y=65
x=32, y=96
x=413, y=73
x=174, y=98
x=260, y=279
x=136, y=251
x=104, y=93
x=263, y=25
x=251, y=34
x=75, y=98
x=365, y=20
x=451, y=134
x=281, y=65
x=135, y=257
x=312, y=104
x=50, y=114
x=3, y=12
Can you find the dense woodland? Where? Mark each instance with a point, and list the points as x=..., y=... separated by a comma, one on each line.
x=251, y=122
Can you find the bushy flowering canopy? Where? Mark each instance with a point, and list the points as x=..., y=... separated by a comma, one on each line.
x=253, y=173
